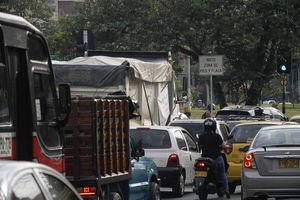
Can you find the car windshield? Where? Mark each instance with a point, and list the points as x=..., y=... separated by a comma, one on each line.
x=151, y=138
x=245, y=133
x=192, y=128
x=277, y=137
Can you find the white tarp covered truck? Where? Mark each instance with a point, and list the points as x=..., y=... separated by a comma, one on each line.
x=147, y=78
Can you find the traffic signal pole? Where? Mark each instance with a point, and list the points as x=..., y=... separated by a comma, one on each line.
x=283, y=92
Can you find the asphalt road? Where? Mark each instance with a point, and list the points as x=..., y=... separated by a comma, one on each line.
x=190, y=195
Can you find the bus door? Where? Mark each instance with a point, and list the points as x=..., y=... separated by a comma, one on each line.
x=47, y=144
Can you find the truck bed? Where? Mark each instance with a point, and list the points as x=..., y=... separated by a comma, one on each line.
x=96, y=140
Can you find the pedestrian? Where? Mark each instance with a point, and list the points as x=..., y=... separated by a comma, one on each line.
x=211, y=145
x=208, y=113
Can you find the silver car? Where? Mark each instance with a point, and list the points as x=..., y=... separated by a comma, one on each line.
x=271, y=166
x=29, y=180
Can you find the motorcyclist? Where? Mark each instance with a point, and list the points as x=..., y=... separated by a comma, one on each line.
x=212, y=144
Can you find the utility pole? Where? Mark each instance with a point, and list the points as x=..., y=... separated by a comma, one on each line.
x=284, y=83
x=187, y=70
x=85, y=42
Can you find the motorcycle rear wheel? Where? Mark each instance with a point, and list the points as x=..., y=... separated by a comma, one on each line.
x=202, y=195
x=220, y=193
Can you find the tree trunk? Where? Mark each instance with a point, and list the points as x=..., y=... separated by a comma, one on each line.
x=254, y=93
x=219, y=94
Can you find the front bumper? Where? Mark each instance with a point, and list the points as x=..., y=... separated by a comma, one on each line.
x=254, y=185
x=169, y=175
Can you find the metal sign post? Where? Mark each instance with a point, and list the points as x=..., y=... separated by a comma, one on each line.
x=283, y=83
x=211, y=66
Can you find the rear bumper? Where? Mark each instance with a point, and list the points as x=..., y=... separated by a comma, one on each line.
x=254, y=185
x=168, y=175
x=234, y=173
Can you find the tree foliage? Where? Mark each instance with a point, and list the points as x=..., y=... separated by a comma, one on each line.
x=38, y=12
x=249, y=33
x=61, y=37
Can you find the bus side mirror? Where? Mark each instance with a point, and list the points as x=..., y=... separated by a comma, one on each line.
x=64, y=98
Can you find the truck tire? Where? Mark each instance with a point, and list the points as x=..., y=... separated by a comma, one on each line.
x=154, y=193
x=115, y=196
x=178, y=189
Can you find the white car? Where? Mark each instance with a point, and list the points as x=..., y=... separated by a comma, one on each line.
x=174, y=152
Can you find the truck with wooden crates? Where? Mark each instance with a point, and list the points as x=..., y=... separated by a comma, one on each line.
x=97, y=149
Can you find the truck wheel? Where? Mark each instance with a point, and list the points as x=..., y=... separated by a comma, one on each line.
x=154, y=193
x=178, y=189
x=115, y=196
x=232, y=187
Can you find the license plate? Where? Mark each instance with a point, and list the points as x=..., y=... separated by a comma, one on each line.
x=201, y=173
x=289, y=163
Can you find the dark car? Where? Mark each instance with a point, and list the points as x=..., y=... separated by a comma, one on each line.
x=249, y=113
x=195, y=126
x=29, y=180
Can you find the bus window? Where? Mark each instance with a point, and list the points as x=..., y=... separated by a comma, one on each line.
x=36, y=49
x=44, y=98
x=45, y=111
x=4, y=111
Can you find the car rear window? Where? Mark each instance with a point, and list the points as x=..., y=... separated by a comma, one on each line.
x=278, y=136
x=246, y=133
x=151, y=138
x=192, y=128
x=229, y=114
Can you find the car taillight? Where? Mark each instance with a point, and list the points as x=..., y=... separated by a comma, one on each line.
x=199, y=165
x=87, y=191
x=249, y=161
x=173, y=160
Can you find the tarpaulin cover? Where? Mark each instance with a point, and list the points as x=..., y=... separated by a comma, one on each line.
x=104, y=71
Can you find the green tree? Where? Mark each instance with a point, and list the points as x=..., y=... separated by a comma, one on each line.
x=38, y=12
x=61, y=37
x=248, y=32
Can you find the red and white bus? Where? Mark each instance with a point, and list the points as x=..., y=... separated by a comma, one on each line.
x=30, y=111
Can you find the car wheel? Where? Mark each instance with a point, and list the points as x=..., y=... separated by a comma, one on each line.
x=115, y=196
x=178, y=189
x=154, y=193
x=232, y=187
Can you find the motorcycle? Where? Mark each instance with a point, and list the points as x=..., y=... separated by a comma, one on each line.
x=206, y=180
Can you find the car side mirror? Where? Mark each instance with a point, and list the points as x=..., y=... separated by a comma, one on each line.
x=64, y=92
x=138, y=150
x=244, y=149
x=64, y=98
